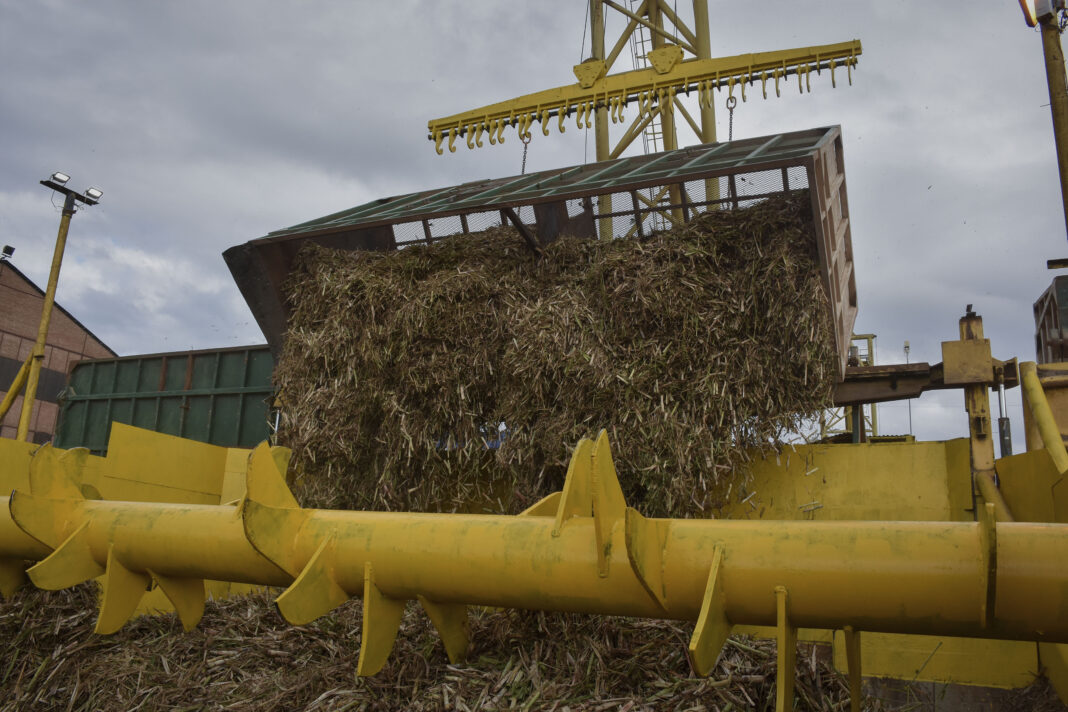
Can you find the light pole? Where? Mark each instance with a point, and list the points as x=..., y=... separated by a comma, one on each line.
x=30, y=372
x=1044, y=14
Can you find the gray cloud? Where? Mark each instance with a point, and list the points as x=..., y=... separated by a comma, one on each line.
x=208, y=124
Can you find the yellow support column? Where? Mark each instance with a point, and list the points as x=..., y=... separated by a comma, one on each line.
x=786, y=654
x=708, y=109
x=852, y=642
x=1058, y=100
x=704, y=51
x=968, y=363
x=667, y=109
x=600, y=117
x=37, y=355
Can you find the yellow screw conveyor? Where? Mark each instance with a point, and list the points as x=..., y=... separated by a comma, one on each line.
x=580, y=550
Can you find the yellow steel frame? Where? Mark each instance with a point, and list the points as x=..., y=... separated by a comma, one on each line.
x=599, y=96
x=650, y=89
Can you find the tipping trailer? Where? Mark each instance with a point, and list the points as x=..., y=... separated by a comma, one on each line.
x=933, y=539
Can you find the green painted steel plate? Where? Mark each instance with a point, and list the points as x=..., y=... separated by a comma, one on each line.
x=219, y=396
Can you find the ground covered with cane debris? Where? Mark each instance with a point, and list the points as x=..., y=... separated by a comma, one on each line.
x=403, y=371
x=243, y=657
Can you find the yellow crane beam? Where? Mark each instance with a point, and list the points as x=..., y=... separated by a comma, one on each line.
x=650, y=88
x=582, y=550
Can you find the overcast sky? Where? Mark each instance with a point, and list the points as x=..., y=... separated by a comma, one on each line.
x=208, y=124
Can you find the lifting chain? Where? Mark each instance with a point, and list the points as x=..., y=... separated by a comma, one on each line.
x=525, y=138
x=732, y=102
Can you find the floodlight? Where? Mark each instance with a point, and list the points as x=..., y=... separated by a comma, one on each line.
x=94, y=193
x=1028, y=8
x=1036, y=11
x=8, y=251
x=60, y=178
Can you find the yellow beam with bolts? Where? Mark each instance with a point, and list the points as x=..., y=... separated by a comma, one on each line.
x=580, y=550
x=650, y=88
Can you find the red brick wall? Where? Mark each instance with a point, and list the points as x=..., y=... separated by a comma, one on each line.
x=68, y=341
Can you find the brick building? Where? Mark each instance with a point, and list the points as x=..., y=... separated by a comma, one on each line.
x=68, y=341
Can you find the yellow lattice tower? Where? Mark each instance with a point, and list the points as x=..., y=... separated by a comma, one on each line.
x=681, y=62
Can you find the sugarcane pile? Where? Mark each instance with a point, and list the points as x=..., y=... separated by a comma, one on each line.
x=244, y=657
x=694, y=347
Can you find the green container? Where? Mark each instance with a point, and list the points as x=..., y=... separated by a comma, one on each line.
x=218, y=396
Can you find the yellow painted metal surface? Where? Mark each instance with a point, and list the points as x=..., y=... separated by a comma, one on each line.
x=898, y=481
x=1033, y=488
x=805, y=635
x=181, y=470
x=648, y=88
x=1054, y=660
x=926, y=481
x=1056, y=390
x=991, y=663
x=14, y=464
x=144, y=466
x=235, y=465
x=967, y=361
x=141, y=466
x=1040, y=417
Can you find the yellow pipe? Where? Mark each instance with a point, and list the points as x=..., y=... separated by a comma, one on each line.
x=179, y=540
x=1058, y=100
x=1043, y=416
x=916, y=577
x=906, y=577
x=990, y=492
x=15, y=388
x=15, y=543
x=37, y=356
x=1031, y=587
x=580, y=550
